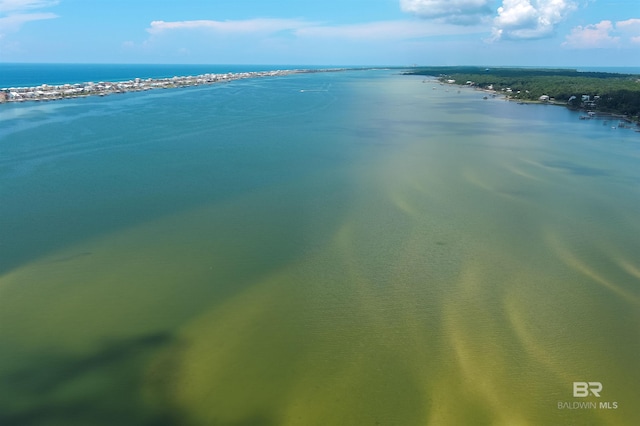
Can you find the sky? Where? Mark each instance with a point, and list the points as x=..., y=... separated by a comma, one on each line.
x=323, y=32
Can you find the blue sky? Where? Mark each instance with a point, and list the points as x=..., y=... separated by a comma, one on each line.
x=323, y=32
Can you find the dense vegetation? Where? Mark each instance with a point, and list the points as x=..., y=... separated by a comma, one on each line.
x=607, y=92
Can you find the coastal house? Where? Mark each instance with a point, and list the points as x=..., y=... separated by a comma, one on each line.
x=46, y=92
x=544, y=98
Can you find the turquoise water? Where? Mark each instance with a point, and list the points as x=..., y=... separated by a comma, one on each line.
x=348, y=248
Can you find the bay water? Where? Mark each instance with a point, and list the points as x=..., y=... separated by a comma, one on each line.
x=349, y=248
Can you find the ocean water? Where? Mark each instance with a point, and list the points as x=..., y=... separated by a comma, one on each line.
x=352, y=248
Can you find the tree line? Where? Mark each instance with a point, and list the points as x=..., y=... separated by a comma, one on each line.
x=613, y=93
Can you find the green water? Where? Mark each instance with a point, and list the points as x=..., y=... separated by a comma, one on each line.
x=371, y=251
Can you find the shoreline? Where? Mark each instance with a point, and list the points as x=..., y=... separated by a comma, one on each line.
x=46, y=92
x=601, y=93
x=602, y=115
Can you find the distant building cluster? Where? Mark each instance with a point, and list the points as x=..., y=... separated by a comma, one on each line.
x=47, y=92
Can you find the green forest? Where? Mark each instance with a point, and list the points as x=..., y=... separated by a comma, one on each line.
x=607, y=92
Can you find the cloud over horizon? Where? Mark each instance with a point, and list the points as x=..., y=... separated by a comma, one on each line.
x=21, y=5
x=383, y=30
x=461, y=12
x=604, y=34
x=530, y=19
x=389, y=30
x=15, y=13
x=512, y=20
x=247, y=26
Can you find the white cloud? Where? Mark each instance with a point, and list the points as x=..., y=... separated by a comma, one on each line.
x=248, y=26
x=13, y=23
x=380, y=30
x=22, y=5
x=592, y=36
x=452, y=11
x=630, y=27
x=604, y=34
x=530, y=19
x=15, y=13
x=383, y=30
x=269, y=40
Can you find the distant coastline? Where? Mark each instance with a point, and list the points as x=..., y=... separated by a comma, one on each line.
x=53, y=92
x=596, y=93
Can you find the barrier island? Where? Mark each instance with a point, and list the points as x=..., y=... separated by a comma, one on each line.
x=595, y=92
x=46, y=92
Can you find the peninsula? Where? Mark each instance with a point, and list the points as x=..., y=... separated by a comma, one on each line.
x=595, y=92
x=47, y=92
